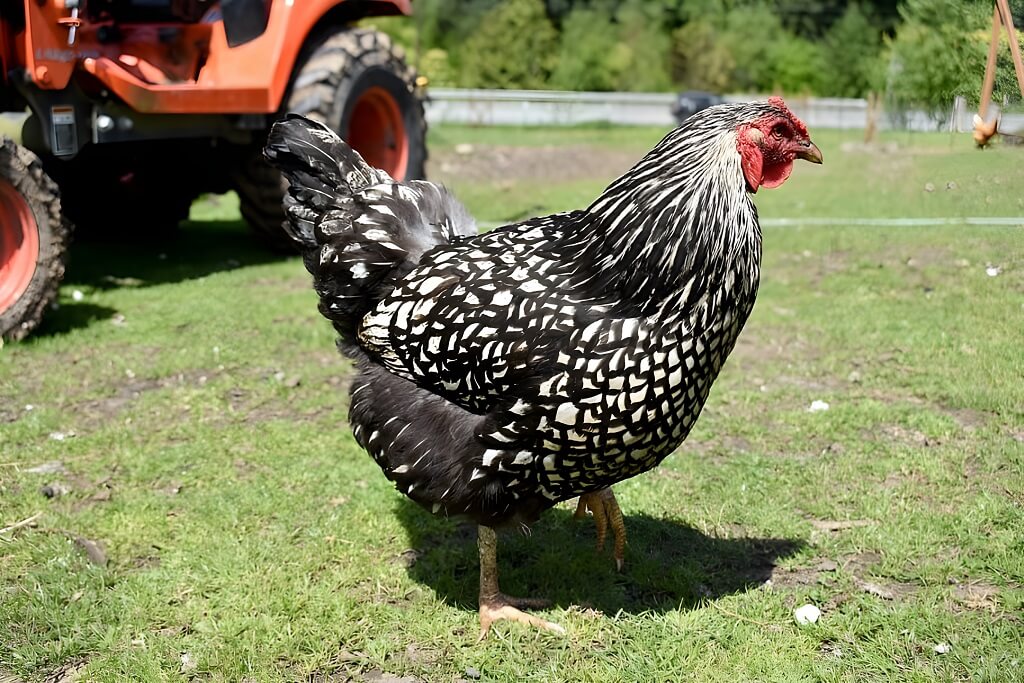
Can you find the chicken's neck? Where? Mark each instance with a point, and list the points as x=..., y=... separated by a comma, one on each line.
x=675, y=231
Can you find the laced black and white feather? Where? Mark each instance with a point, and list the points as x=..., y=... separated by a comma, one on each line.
x=504, y=372
x=359, y=230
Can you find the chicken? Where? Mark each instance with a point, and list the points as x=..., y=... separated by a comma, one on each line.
x=984, y=131
x=501, y=373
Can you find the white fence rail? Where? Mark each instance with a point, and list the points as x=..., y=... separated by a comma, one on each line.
x=558, y=108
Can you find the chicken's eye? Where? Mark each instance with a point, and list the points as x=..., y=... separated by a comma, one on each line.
x=779, y=130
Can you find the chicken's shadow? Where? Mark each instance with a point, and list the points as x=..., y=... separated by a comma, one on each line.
x=669, y=565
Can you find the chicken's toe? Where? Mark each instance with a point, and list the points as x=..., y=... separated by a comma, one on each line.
x=607, y=513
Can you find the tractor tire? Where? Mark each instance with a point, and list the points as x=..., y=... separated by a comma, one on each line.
x=359, y=84
x=33, y=240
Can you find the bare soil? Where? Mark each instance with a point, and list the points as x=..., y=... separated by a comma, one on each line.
x=497, y=163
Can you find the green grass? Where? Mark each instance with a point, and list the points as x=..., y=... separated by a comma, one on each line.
x=888, y=180
x=241, y=524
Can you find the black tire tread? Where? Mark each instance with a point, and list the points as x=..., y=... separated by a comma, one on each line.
x=24, y=171
x=261, y=188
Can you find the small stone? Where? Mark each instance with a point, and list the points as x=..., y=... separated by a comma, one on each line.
x=293, y=381
x=29, y=407
x=279, y=376
x=854, y=377
x=54, y=490
x=992, y=271
x=118, y=320
x=942, y=648
x=77, y=295
x=951, y=185
x=806, y=614
x=463, y=149
x=929, y=187
x=818, y=406
x=187, y=663
x=472, y=672
x=129, y=373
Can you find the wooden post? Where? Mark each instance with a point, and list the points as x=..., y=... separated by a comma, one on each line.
x=1003, y=7
x=871, y=125
x=990, y=66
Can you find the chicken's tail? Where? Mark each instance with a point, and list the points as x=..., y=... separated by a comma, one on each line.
x=360, y=231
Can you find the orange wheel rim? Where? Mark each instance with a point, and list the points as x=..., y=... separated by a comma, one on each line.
x=376, y=130
x=19, y=245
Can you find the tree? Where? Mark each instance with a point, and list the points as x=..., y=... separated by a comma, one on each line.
x=515, y=46
x=939, y=53
x=590, y=54
x=699, y=60
x=852, y=55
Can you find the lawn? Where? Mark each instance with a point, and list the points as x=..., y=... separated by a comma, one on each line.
x=177, y=430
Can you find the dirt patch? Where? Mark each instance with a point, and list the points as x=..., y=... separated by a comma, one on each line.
x=821, y=572
x=968, y=419
x=500, y=163
x=760, y=344
x=894, y=433
x=975, y=595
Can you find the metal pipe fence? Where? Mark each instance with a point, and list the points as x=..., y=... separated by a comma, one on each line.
x=562, y=108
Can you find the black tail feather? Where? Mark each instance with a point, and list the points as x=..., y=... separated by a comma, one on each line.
x=360, y=230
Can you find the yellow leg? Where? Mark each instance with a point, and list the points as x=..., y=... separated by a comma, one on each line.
x=606, y=511
x=495, y=605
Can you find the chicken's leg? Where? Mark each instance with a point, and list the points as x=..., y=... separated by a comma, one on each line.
x=606, y=511
x=495, y=605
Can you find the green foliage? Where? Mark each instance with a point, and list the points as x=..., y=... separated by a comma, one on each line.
x=939, y=53
x=699, y=60
x=749, y=36
x=642, y=32
x=590, y=55
x=924, y=54
x=797, y=66
x=852, y=55
x=515, y=46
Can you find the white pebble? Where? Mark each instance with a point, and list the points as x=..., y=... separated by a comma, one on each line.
x=943, y=648
x=818, y=407
x=806, y=614
x=992, y=271
x=28, y=407
x=77, y=295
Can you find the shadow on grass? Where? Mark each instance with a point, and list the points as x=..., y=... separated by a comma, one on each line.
x=668, y=564
x=197, y=249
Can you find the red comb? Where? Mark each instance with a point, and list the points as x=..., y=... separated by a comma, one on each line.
x=778, y=103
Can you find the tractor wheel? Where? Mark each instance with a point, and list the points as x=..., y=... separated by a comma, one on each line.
x=358, y=83
x=33, y=240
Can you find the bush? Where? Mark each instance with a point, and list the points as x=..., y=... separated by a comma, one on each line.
x=939, y=53
x=515, y=46
x=590, y=55
x=852, y=55
x=699, y=60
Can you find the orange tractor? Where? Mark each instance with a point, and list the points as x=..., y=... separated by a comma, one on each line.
x=138, y=106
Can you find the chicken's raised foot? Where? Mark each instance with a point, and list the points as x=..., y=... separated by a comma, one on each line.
x=495, y=605
x=607, y=513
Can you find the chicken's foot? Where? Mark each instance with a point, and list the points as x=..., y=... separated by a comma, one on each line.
x=495, y=605
x=606, y=511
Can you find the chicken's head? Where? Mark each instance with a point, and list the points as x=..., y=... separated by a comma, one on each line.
x=769, y=144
